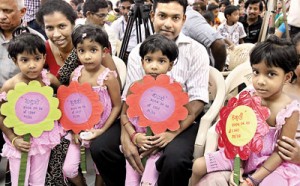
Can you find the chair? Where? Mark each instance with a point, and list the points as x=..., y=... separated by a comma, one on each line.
x=216, y=90
x=241, y=74
x=121, y=68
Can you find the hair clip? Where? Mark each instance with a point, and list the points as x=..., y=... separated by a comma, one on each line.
x=84, y=35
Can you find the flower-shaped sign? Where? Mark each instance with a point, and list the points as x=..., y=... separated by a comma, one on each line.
x=30, y=109
x=80, y=106
x=158, y=103
x=242, y=125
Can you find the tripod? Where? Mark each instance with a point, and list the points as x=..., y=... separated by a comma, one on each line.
x=139, y=14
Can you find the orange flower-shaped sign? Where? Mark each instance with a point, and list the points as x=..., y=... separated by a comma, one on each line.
x=242, y=126
x=80, y=106
x=158, y=103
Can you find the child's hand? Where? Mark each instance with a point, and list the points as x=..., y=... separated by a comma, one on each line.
x=21, y=145
x=94, y=133
x=231, y=181
x=76, y=138
x=142, y=141
x=163, y=139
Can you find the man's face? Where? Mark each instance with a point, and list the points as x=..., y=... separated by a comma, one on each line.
x=125, y=8
x=168, y=19
x=253, y=11
x=10, y=15
x=97, y=18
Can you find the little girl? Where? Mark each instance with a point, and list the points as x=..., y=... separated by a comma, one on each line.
x=90, y=43
x=29, y=53
x=273, y=63
x=158, y=55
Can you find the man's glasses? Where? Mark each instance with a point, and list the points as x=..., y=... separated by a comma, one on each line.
x=100, y=16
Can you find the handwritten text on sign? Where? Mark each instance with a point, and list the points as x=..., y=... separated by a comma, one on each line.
x=78, y=108
x=32, y=108
x=241, y=125
x=157, y=104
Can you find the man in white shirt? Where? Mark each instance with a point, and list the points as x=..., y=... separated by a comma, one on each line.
x=96, y=12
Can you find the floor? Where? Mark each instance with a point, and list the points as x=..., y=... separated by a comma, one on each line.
x=90, y=175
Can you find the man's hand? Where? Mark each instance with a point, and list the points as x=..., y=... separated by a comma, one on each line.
x=131, y=153
x=289, y=150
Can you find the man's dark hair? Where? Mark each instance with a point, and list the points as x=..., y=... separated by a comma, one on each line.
x=212, y=7
x=209, y=16
x=93, y=6
x=251, y=2
x=183, y=3
x=226, y=3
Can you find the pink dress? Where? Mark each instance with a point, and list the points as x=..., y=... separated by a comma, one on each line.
x=217, y=161
x=40, y=145
x=102, y=91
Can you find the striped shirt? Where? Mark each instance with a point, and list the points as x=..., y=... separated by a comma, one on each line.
x=32, y=6
x=191, y=69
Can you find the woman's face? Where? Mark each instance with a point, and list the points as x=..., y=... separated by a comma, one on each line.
x=58, y=29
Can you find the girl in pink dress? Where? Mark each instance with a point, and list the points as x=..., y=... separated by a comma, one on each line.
x=29, y=53
x=90, y=43
x=273, y=63
x=158, y=54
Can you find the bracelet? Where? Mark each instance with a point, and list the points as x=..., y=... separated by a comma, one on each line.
x=135, y=139
x=13, y=140
x=248, y=181
x=266, y=168
x=132, y=136
x=254, y=181
x=126, y=123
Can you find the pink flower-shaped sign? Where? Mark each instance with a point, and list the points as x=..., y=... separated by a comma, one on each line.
x=255, y=144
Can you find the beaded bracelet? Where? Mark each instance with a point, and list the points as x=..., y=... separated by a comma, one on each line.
x=132, y=136
x=13, y=140
x=266, y=168
x=254, y=181
x=126, y=123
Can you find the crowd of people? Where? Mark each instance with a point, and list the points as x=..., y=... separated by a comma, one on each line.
x=56, y=42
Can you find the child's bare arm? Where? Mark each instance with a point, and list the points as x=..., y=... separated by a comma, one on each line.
x=289, y=130
x=114, y=91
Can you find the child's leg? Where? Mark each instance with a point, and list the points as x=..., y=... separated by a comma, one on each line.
x=14, y=167
x=71, y=165
x=150, y=174
x=199, y=170
x=274, y=179
x=132, y=177
x=38, y=169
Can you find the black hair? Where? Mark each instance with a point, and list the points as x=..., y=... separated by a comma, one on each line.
x=79, y=7
x=130, y=1
x=110, y=4
x=250, y=2
x=23, y=41
x=92, y=32
x=229, y=10
x=212, y=7
x=209, y=16
x=49, y=7
x=158, y=42
x=76, y=2
x=225, y=2
x=183, y=3
x=275, y=52
x=94, y=6
x=296, y=38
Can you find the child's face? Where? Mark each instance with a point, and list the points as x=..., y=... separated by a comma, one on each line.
x=30, y=65
x=90, y=54
x=215, y=12
x=268, y=81
x=156, y=63
x=234, y=17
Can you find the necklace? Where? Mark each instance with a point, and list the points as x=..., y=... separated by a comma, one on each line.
x=61, y=57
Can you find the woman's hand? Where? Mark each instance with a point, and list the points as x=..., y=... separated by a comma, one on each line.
x=76, y=138
x=93, y=133
x=21, y=145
